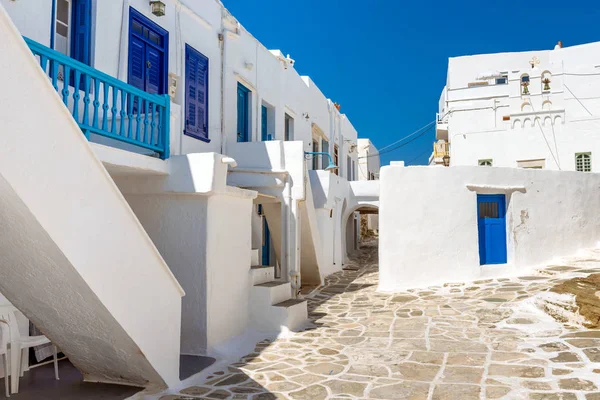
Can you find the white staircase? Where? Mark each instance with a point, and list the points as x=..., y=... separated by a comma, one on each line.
x=75, y=259
x=272, y=308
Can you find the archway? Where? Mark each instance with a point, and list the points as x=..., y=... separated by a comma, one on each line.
x=353, y=220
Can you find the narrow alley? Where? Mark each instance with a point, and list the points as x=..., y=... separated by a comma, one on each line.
x=483, y=339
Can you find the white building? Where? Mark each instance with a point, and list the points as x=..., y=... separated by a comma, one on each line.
x=369, y=164
x=145, y=160
x=534, y=109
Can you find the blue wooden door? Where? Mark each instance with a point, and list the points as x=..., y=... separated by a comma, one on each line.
x=148, y=49
x=263, y=127
x=266, y=247
x=491, y=221
x=81, y=29
x=242, y=113
x=196, y=94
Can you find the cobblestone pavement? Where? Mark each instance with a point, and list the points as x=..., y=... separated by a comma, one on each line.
x=478, y=340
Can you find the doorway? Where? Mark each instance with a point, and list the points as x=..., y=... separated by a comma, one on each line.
x=148, y=49
x=491, y=224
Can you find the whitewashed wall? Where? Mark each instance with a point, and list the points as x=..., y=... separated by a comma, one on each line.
x=368, y=160
x=424, y=242
x=497, y=122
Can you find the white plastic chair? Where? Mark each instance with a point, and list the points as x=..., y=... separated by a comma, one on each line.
x=20, y=346
x=4, y=337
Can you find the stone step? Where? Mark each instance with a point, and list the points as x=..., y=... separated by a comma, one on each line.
x=262, y=274
x=270, y=293
x=293, y=313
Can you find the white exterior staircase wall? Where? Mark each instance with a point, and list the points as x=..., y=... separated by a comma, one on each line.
x=76, y=260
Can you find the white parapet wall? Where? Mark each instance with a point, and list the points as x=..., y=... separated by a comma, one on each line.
x=429, y=229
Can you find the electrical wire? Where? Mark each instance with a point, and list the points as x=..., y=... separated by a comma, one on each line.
x=414, y=158
x=406, y=137
x=401, y=144
x=576, y=98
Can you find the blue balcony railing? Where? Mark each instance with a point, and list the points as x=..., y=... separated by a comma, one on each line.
x=105, y=106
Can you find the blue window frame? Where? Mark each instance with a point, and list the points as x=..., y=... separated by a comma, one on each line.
x=243, y=123
x=148, y=54
x=196, y=94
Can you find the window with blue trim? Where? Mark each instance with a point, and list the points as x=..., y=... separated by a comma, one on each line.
x=196, y=94
x=73, y=29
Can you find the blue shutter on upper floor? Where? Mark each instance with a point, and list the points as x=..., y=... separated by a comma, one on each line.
x=242, y=113
x=264, y=136
x=196, y=94
x=137, y=69
x=81, y=18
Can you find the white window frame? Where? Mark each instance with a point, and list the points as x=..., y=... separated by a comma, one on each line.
x=586, y=158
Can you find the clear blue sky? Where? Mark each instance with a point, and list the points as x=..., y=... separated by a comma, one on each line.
x=385, y=61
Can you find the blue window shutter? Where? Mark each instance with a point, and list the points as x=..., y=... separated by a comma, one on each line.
x=81, y=30
x=137, y=67
x=196, y=93
x=242, y=113
x=263, y=120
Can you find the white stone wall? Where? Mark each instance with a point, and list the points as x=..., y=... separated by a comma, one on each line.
x=499, y=122
x=368, y=160
x=425, y=242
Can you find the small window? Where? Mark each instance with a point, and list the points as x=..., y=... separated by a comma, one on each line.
x=324, y=158
x=525, y=84
x=502, y=81
x=349, y=168
x=289, y=128
x=532, y=164
x=485, y=163
x=583, y=162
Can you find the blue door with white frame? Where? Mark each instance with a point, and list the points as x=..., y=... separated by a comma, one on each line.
x=242, y=113
x=491, y=222
x=148, y=50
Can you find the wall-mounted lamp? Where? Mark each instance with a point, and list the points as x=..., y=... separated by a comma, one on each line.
x=446, y=160
x=157, y=7
x=306, y=116
x=331, y=165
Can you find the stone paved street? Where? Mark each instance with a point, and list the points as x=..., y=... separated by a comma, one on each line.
x=478, y=340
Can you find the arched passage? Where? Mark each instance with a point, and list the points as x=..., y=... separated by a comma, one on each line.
x=351, y=226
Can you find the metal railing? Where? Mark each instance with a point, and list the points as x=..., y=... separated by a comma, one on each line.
x=105, y=106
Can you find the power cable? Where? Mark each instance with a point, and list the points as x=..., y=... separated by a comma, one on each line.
x=399, y=145
x=406, y=137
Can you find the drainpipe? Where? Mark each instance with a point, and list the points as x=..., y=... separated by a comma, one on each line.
x=223, y=37
x=53, y=24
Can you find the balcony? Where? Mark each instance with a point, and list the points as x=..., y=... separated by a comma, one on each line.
x=106, y=109
x=441, y=149
x=441, y=127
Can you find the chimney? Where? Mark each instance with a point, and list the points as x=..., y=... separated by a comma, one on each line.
x=559, y=44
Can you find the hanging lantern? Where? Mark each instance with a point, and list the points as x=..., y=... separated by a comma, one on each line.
x=158, y=7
